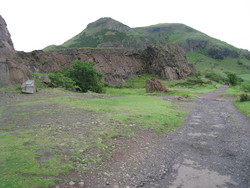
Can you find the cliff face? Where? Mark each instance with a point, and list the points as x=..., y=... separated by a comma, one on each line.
x=10, y=70
x=167, y=62
x=116, y=65
x=6, y=51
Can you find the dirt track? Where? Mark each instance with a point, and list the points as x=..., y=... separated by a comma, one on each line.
x=211, y=149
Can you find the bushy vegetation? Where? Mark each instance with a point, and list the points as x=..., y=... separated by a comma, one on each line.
x=232, y=78
x=85, y=76
x=244, y=97
x=82, y=76
x=216, y=77
x=194, y=80
x=245, y=86
x=59, y=79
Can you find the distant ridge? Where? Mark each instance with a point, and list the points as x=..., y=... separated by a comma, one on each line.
x=201, y=49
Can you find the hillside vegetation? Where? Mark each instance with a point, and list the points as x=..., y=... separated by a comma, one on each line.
x=205, y=52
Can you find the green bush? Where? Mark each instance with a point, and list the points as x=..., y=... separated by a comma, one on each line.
x=245, y=86
x=58, y=79
x=215, y=77
x=86, y=77
x=244, y=97
x=194, y=80
x=233, y=79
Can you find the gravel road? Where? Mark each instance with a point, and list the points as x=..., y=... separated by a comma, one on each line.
x=211, y=149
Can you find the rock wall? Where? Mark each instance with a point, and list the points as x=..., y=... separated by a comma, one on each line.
x=6, y=51
x=10, y=70
x=116, y=65
x=167, y=61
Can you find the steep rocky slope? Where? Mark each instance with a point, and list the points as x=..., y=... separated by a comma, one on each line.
x=10, y=70
x=167, y=62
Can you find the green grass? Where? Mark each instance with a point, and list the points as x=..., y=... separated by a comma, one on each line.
x=11, y=90
x=204, y=63
x=245, y=77
x=23, y=161
x=125, y=91
x=19, y=166
x=243, y=107
x=148, y=112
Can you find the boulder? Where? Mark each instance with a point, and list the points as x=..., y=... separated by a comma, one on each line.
x=153, y=85
x=29, y=87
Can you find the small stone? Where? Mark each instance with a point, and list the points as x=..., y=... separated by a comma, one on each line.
x=81, y=184
x=71, y=183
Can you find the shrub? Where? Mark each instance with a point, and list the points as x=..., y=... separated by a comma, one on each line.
x=245, y=86
x=232, y=79
x=59, y=79
x=244, y=97
x=194, y=80
x=85, y=76
x=215, y=77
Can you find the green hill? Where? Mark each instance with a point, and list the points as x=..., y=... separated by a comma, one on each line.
x=202, y=50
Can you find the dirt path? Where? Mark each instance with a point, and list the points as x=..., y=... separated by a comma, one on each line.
x=211, y=149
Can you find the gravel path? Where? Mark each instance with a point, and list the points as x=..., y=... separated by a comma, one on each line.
x=211, y=149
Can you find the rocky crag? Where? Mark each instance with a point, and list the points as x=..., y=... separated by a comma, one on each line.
x=165, y=61
x=11, y=71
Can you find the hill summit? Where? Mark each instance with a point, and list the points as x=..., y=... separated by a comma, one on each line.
x=107, y=23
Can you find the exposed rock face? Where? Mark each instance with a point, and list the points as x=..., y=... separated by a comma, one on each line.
x=116, y=65
x=168, y=62
x=217, y=52
x=10, y=72
x=6, y=51
x=194, y=45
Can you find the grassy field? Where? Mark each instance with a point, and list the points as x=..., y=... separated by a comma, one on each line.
x=57, y=132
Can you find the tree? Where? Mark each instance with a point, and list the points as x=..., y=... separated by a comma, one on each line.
x=232, y=78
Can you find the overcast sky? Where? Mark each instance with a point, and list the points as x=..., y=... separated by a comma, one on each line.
x=35, y=24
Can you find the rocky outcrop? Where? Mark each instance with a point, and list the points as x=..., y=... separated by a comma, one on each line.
x=6, y=52
x=10, y=70
x=218, y=52
x=167, y=61
x=116, y=65
x=194, y=45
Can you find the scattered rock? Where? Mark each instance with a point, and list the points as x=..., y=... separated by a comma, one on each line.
x=153, y=85
x=71, y=183
x=29, y=87
x=81, y=184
